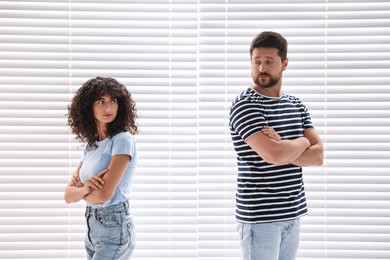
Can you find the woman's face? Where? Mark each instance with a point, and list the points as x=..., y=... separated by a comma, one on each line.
x=105, y=110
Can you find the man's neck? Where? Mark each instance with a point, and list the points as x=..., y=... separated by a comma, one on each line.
x=274, y=91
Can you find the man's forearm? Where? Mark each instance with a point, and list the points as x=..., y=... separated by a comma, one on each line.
x=289, y=150
x=310, y=157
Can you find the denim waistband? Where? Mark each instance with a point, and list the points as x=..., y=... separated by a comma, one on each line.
x=120, y=207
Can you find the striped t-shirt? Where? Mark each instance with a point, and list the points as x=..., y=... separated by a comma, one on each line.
x=267, y=192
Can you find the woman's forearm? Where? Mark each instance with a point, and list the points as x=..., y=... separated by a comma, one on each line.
x=74, y=194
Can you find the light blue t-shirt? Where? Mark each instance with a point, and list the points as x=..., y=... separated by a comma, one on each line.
x=98, y=159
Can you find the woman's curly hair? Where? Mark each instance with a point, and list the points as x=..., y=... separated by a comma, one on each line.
x=80, y=112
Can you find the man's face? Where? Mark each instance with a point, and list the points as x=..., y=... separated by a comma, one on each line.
x=267, y=67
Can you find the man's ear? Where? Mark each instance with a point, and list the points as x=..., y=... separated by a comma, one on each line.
x=284, y=64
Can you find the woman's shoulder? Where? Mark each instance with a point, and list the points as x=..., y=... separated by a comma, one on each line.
x=123, y=143
x=123, y=136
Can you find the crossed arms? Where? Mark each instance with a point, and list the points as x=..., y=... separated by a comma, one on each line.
x=303, y=151
x=100, y=188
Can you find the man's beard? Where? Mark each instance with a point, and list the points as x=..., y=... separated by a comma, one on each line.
x=272, y=81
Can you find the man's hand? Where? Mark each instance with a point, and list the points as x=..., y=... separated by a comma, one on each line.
x=270, y=133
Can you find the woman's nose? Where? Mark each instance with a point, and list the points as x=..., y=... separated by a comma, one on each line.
x=108, y=106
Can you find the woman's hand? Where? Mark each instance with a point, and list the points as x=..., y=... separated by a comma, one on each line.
x=95, y=182
x=75, y=181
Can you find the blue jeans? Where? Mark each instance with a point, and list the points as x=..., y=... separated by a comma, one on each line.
x=111, y=233
x=269, y=241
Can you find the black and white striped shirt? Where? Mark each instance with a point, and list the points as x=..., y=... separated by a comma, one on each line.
x=267, y=192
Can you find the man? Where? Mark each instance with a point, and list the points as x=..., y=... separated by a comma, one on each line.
x=274, y=137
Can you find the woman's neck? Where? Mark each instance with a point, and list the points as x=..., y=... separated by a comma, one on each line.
x=102, y=133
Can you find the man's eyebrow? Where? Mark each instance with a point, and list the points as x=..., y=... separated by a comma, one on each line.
x=267, y=57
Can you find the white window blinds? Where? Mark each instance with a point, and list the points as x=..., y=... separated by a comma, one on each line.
x=184, y=61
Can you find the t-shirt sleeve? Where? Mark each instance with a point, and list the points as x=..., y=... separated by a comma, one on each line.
x=246, y=118
x=123, y=143
x=307, y=123
x=306, y=118
x=83, y=155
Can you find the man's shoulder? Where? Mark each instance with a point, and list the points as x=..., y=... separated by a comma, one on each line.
x=246, y=96
x=292, y=98
x=295, y=102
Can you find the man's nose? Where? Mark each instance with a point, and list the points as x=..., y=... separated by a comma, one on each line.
x=262, y=68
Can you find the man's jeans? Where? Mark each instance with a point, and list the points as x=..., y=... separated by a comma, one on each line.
x=111, y=233
x=269, y=241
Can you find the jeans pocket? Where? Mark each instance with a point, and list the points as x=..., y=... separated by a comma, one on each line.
x=132, y=234
x=109, y=220
x=240, y=230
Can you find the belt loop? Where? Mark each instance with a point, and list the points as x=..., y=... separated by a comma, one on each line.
x=126, y=204
x=87, y=211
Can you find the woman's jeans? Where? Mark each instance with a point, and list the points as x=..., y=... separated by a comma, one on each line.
x=269, y=241
x=111, y=233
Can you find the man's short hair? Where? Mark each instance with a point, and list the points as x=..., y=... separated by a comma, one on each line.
x=269, y=39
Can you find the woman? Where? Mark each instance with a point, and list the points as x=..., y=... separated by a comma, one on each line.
x=102, y=115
